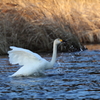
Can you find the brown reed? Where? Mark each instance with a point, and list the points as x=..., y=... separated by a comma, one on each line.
x=34, y=24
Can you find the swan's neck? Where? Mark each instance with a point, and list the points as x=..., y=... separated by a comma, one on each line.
x=54, y=55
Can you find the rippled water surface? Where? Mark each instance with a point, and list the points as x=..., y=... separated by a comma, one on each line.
x=74, y=76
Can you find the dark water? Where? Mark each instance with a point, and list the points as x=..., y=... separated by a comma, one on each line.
x=74, y=76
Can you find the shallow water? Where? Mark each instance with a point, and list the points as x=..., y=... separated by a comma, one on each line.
x=74, y=76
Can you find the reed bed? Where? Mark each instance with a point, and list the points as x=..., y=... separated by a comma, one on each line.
x=34, y=24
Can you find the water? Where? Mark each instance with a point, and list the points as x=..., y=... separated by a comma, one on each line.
x=74, y=76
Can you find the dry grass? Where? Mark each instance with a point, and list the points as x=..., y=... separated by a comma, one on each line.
x=35, y=22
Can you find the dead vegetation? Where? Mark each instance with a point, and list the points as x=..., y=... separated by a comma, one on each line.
x=34, y=24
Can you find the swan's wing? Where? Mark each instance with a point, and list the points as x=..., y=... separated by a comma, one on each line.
x=23, y=56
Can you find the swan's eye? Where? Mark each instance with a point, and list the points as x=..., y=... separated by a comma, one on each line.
x=60, y=40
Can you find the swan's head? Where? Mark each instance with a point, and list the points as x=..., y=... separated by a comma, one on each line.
x=57, y=41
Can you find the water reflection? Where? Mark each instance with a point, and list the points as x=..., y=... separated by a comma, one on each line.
x=74, y=76
x=93, y=47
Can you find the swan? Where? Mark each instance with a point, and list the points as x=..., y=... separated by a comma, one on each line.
x=31, y=63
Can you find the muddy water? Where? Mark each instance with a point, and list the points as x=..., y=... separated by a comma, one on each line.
x=74, y=76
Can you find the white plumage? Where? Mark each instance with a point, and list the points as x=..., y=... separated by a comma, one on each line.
x=32, y=63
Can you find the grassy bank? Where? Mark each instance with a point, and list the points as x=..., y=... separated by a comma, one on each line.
x=34, y=24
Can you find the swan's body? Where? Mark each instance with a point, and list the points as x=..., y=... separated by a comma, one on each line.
x=31, y=63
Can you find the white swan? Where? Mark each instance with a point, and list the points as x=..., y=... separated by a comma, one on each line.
x=32, y=63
